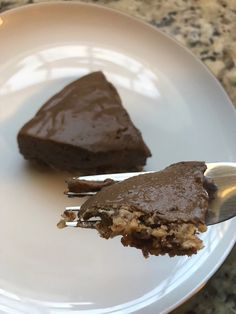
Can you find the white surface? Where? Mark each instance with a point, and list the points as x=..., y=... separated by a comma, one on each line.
x=183, y=114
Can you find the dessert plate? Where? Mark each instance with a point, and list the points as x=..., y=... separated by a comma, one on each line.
x=183, y=114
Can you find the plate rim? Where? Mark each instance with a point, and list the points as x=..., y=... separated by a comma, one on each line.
x=108, y=10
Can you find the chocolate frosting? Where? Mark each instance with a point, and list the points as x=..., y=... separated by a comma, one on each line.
x=76, y=185
x=176, y=193
x=87, y=113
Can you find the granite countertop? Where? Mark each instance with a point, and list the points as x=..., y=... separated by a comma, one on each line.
x=208, y=29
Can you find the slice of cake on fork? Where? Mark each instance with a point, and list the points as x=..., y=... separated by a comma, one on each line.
x=161, y=212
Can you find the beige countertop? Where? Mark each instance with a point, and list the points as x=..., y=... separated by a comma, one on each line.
x=208, y=29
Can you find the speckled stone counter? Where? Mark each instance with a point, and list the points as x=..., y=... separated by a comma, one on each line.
x=208, y=29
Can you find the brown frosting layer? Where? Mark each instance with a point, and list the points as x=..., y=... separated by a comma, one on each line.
x=87, y=113
x=177, y=193
x=76, y=185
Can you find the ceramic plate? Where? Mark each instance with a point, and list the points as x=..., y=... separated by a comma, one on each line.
x=183, y=114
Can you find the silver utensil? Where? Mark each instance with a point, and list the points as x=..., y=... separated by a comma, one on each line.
x=221, y=208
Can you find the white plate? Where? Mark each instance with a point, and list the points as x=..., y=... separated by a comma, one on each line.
x=183, y=114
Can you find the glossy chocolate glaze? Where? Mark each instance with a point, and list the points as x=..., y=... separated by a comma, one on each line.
x=84, y=129
x=177, y=193
x=80, y=186
x=87, y=113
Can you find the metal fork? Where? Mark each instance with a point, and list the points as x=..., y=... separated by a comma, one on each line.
x=222, y=208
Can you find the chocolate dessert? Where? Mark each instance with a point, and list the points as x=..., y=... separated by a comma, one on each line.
x=84, y=128
x=159, y=213
x=76, y=185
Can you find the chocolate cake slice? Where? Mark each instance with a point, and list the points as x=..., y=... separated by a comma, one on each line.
x=159, y=213
x=85, y=128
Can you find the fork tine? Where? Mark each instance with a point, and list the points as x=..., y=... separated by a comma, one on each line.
x=79, y=194
x=90, y=224
x=72, y=208
x=71, y=224
x=70, y=219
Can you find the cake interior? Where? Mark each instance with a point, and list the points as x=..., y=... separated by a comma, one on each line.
x=58, y=154
x=144, y=231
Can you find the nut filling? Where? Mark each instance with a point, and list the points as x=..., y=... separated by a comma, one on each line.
x=148, y=233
